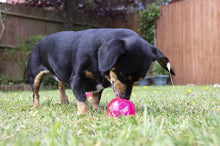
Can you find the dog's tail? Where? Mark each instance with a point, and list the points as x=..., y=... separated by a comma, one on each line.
x=34, y=66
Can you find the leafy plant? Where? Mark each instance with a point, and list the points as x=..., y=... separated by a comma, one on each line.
x=3, y=79
x=27, y=45
x=148, y=25
x=24, y=50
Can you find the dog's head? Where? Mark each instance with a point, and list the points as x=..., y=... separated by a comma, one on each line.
x=124, y=61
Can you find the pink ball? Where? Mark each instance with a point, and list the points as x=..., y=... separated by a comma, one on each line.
x=88, y=94
x=120, y=106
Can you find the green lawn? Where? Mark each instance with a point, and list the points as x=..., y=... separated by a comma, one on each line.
x=165, y=116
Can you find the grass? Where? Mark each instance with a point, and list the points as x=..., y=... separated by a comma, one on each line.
x=188, y=115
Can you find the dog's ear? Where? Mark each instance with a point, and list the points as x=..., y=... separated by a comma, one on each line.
x=162, y=59
x=109, y=52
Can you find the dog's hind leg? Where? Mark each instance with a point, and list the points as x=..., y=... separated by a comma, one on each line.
x=63, y=96
x=96, y=100
x=36, y=86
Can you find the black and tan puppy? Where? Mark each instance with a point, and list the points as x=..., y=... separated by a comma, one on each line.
x=91, y=60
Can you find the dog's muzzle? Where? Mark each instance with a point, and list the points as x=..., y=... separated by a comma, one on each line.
x=126, y=94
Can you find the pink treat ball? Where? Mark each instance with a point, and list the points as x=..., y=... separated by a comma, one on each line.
x=120, y=106
x=88, y=94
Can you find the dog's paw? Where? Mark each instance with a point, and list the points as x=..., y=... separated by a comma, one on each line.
x=82, y=108
x=80, y=114
x=64, y=101
x=36, y=103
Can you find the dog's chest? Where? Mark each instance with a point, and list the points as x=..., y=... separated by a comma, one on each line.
x=93, y=81
x=92, y=86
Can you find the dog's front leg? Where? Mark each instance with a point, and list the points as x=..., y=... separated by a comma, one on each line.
x=79, y=92
x=96, y=101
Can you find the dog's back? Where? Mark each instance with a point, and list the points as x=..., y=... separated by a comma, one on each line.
x=59, y=52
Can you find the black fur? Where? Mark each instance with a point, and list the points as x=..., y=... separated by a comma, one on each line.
x=68, y=54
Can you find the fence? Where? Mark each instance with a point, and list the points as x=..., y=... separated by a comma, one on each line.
x=21, y=22
x=188, y=32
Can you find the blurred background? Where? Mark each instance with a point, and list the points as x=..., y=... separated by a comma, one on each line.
x=185, y=30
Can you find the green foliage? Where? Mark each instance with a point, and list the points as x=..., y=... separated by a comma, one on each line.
x=4, y=79
x=24, y=50
x=158, y=70
x=148, y=25
x=184, y=115
x=27, y=45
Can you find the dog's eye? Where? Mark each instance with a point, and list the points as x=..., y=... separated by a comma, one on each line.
x=121, y=74
x=130, y=77
x=124, y=78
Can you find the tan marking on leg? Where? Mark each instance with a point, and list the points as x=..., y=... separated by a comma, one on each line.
x=89, y=74
x=36, y=101
x=96, y=101
x=82, y=107
x=37, y=83
x=63, y=96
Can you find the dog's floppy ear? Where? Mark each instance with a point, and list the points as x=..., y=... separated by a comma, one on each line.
x=162, y=59
x=109, y=52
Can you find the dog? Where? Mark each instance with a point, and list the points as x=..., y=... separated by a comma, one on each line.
x=91, y=60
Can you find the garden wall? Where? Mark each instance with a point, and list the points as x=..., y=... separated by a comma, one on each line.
x=188, y=32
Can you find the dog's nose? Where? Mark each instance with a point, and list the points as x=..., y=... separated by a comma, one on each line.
x=117, y=94
x=122, y=95
x=125, y=97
